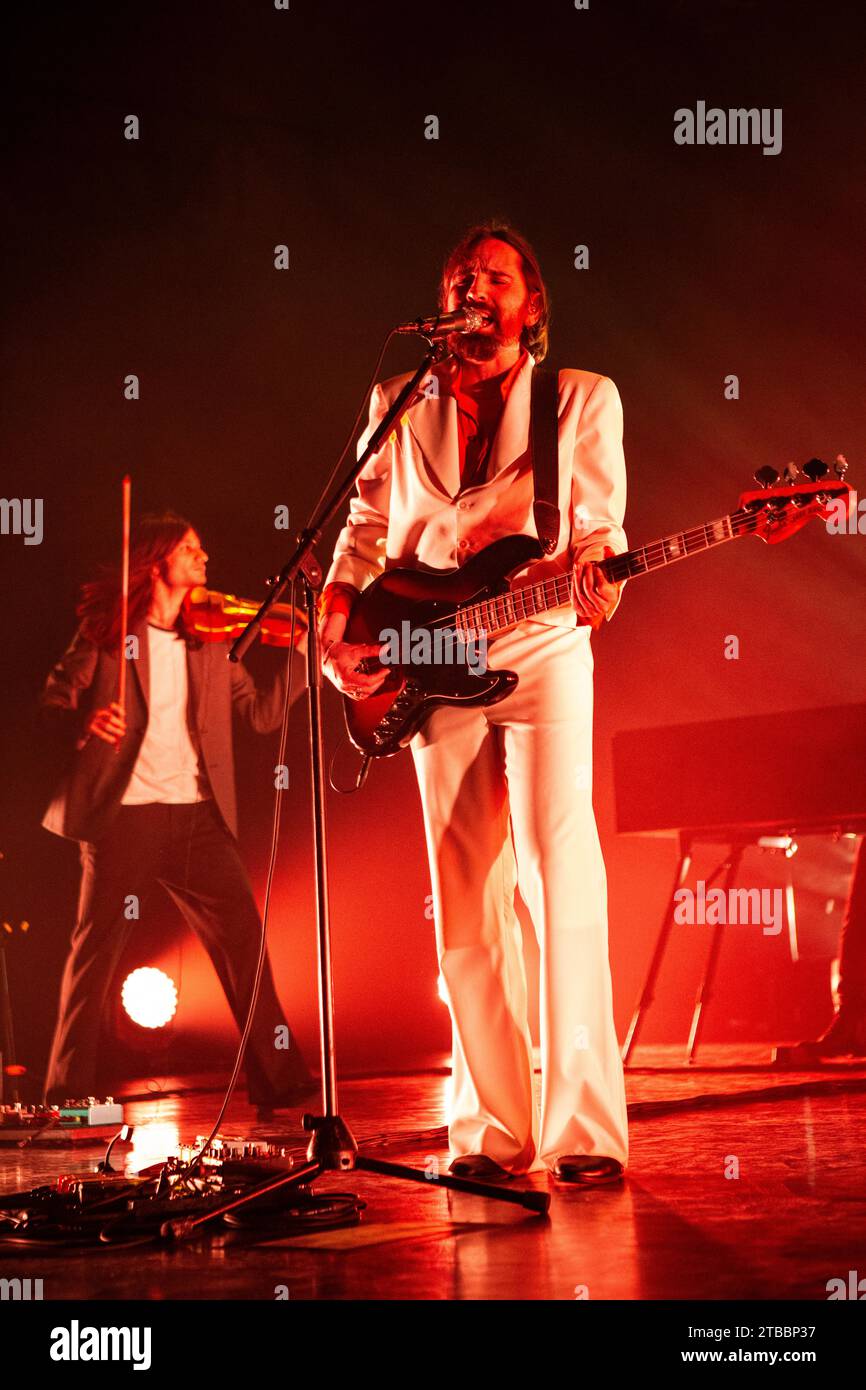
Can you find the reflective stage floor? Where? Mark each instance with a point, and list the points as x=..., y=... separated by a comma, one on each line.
x=744, y=1183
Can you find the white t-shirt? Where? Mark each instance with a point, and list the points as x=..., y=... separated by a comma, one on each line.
x=167, y=768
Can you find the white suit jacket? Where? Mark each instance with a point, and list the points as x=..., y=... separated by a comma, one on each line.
x=408, y=509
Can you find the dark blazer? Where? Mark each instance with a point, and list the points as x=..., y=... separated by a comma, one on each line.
x=85, y=678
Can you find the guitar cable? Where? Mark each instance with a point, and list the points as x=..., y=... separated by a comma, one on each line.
x=361, y=778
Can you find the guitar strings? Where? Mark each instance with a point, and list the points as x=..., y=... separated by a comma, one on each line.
x=742, y=523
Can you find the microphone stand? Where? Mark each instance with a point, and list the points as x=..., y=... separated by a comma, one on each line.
x=332, y=1147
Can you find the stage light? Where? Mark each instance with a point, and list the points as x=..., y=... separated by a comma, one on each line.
x=149, y=997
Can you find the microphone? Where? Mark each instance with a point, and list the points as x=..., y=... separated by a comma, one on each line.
x=440, y=325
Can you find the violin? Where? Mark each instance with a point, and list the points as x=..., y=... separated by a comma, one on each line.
x=215, y=617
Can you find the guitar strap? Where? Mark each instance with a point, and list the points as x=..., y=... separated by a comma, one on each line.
x=544, y=435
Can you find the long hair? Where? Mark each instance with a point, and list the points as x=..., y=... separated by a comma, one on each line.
x=534, y=336
x=153, y=539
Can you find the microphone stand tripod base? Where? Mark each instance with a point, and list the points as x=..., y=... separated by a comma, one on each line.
x=332, y=1145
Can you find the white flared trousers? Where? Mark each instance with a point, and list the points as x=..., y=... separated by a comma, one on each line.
x=506, y=793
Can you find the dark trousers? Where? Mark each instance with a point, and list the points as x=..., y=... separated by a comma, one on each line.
x=190, y=852
x=852, y=962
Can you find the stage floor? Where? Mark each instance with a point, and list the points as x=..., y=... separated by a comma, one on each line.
x=794, y=1217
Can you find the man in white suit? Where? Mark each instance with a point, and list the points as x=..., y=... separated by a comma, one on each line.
x=506, y=790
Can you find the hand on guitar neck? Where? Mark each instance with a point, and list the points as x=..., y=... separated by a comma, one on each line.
x=592, y=595
x=432, y=627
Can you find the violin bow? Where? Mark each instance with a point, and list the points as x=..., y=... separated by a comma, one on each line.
x=124, y=593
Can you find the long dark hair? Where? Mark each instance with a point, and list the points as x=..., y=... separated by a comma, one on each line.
x=534, y=336
x=154, y=538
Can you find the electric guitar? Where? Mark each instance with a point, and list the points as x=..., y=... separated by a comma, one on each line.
x=433, y=628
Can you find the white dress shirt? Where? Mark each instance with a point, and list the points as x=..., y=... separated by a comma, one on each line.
x=167, y=768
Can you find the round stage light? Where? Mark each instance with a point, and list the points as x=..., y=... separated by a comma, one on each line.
x=149, y=997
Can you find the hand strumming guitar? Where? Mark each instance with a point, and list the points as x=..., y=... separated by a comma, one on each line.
x=340, y=660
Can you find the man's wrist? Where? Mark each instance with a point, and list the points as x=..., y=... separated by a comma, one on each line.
x=336, y=597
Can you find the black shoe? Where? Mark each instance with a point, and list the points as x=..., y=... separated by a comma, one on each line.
x=478, y=1166
x=590, y=1169
x=846, y=1037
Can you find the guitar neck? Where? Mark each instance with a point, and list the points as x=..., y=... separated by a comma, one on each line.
x=508, y=609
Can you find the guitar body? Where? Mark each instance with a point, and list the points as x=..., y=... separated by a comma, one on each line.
x=408, y=603
x=422, y=604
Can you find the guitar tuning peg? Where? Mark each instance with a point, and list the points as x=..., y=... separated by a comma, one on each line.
x=840, y=467
x=815, y=469
x=790, y=472
x=766, y=476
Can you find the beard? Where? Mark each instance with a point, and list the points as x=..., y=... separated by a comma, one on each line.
x=481, y=347
x=476, y=347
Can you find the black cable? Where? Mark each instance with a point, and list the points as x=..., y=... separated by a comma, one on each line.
x=46, y=1219
x=360, y=777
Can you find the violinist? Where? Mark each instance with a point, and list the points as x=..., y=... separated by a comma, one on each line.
x=149, y=793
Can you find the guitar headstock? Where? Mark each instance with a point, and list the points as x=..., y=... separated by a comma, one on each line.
x=776, y=510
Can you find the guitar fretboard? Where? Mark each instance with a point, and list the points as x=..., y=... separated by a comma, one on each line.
x=508, y=609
